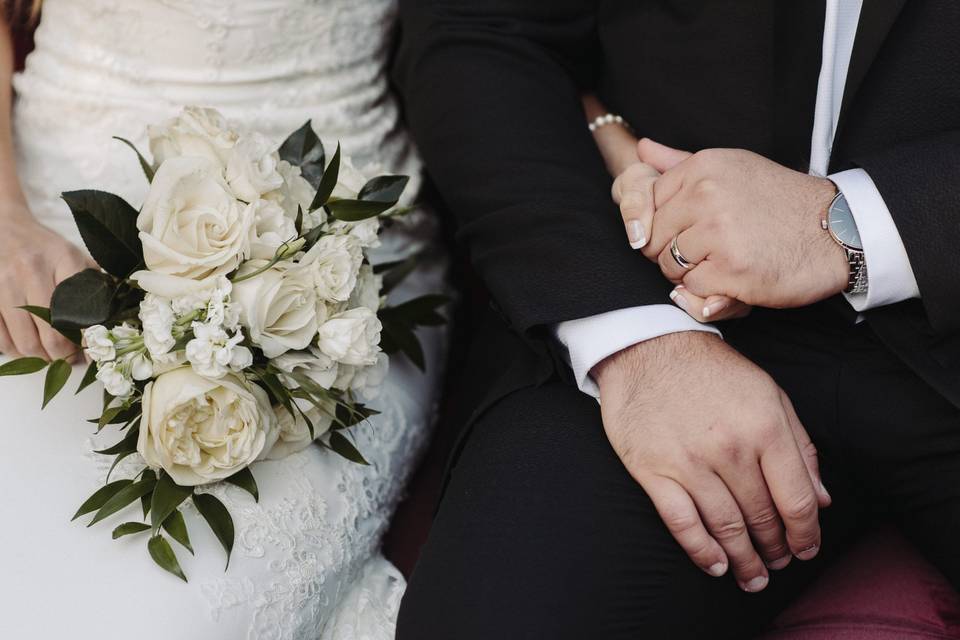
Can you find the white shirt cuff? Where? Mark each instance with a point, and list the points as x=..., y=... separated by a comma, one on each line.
x=890, y=275
x=590, y=340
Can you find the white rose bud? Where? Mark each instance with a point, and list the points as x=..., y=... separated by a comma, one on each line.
x=192, y=229
x=351, y=337
x=252, y=168
x=99, y=344
x=197, y=132
x=334, y=262
x=200, y=430
x=279, y=307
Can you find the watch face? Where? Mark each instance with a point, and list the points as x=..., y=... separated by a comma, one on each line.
x=842, y=225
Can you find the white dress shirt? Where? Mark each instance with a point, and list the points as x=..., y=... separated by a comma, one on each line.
x=590, y=340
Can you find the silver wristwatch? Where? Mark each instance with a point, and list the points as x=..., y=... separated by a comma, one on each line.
x=842, y=227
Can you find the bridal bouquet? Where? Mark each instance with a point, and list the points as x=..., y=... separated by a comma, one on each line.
x=236, y=317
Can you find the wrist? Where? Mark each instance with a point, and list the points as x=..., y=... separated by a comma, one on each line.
x=652, y=356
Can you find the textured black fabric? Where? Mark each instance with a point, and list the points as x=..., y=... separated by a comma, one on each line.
x=543, y=534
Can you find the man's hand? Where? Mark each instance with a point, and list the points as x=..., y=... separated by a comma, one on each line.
x=750, y=226
x=716, y=445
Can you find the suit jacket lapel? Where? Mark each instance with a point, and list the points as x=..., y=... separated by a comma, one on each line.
x=876, y=19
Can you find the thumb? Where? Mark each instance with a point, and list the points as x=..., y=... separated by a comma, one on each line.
x=660, y=156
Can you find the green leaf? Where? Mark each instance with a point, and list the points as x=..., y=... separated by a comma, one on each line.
x=345, y=448
x=22, y=366
x=108, y=225
x=398, y=337
x=298, y=223
x=176, y=526
x=218, y=518
x=162, y=553
x=57, y=376
x=82, y=300
x=41, y=312
x=145, y=500
x=166, y=498
x=89, y=377
x=128, y=528
x=122, y=498
x=303, y=148
x=329, y=181
x=116, y=461
x=100, y=496
x=147, y=168
x=385, y=189
x=127, y=445
x=355, y=210
x=245, y=480
x=395, y=272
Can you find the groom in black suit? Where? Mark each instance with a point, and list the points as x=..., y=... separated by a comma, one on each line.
x=689, y=503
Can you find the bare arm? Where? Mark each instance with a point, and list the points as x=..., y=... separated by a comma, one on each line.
x=34, y=259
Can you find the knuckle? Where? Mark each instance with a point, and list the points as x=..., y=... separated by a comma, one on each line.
x=680, y=521
x=803, y=508
x=766, y=519
x=729, y=529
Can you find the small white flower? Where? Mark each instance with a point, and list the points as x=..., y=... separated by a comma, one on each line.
x=213, y=352
x=252, y=168
x=156, y=316
x=139, y=365
x=115, y=379
x=351, y=337
x=334, y=262
x=100, y=347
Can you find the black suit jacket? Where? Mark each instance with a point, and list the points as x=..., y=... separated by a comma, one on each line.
x=492, y=96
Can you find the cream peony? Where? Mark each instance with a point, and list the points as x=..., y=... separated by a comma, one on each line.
x=351, y=337
x=192, y=228
x=197, y=132
x=200, y=430
x=279, y=307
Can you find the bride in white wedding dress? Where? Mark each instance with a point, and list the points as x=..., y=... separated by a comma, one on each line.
x=305, y=564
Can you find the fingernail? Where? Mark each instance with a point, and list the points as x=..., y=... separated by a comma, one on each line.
x=757, y=584
x=718, y=569
x=808, y=553
x=636, y=234
x=714, y=308
x=779, y=563
x=679, y=300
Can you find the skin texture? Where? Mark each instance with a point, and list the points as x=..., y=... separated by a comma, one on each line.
x=35, y=259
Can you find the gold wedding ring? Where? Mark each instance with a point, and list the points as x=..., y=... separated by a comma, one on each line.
x=678, y=257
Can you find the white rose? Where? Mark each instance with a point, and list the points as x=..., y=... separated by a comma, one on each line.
x=367, y=291
x=295, y=433
x=273, y=228
x=313, y=364
x=335, y=263
x=252, y=168
x=192, y=228
x=197, y=132
x=99, y=344
x=349, y=180
x=368, y=381
x=279, y=307
x=156, y=316
x=351, y=337
x=293, y=193
x=200, y=430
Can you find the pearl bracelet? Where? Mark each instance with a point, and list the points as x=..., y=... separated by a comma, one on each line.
x=608, y=118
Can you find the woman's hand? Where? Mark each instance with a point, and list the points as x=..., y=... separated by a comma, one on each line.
x=633, y=191
x=35, y=260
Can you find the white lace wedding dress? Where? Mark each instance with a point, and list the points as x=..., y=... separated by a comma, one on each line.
x=306, y=563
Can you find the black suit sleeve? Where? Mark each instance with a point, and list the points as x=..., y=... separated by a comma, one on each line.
x=493, y=102
x=920, y=184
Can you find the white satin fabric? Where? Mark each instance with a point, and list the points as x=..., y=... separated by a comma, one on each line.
x=306, y=563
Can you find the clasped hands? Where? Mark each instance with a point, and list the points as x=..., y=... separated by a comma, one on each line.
x=746, y=229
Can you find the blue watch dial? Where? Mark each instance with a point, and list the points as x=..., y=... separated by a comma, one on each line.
x=842, y=224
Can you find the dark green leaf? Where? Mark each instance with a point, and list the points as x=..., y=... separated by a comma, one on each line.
x=218, y=518
x=145, y=500
x=304, y=149
x=162, y=553
x=147, y=168
x=122, y=498
x=345, y=448
x=329, y=181
x=355, y=210
x=385, y=189
x=245, y=480
x=22, y=366
x=89, y=377
x=127, y=445
x=399, y=337
x=41, y=312
x=166, y=498
x=108, y=225
x=298, y=223
x=100, y=496
x=57, y=376
x=395, y=272
x=177, y=528
x=82, y=300
x=128, y=528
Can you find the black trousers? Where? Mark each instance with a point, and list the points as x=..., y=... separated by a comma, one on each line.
x=543, y=534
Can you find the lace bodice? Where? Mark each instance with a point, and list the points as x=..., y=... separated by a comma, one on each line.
x=306, y=565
